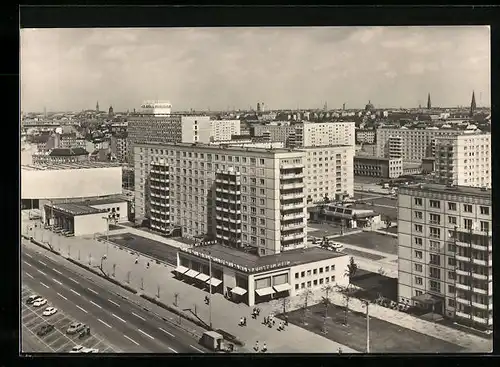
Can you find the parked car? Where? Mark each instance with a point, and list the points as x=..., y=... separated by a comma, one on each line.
x=75, y=327
x=90, y=350
x=45, y=329
x=49, y=311
x=32, y=299
x=40, y=302
x=76, y=349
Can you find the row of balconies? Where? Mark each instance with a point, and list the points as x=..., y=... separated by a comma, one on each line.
x=292, y=206
x=290, y=176
x=162, y=220
x=474, y=275
x=227, y=238
x=292, y=195
x=162, y=180
x=291, y=165
x=159, y=172
x=289, y=227
x=296, y=185
x=162, y=212
x=292, y=216
x=227, y=182
x=467, y=259
x=227, y=210
x=162, y=196
x=476, y=290
x=228, y=191
x=228, y=200
x=478, y=305
x=228, y=229
x=160, y=228
x=159, y=203
x=476, y=319
x=488, y=248
x=292, y=236
x=161, y=188
x=228, y=219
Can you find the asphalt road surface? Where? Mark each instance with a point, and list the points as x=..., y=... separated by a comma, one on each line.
x=123, y=323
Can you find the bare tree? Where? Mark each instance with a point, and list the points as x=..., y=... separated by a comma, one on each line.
x=305, y=296
x=176, y=298
x=285, y=303
x=326, y=301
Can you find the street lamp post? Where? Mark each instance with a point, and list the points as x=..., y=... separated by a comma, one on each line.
x=107, y=233
x=210, y=289
x=367, y=304
x=104, y=257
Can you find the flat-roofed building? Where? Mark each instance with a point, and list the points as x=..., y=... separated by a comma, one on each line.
x=365, y=136
x=445, y=251
x=61, y=155
x=120, y=147
x=329, y=172
x=224, y=129
x=325, y=134
x=464, y=160
x=277, y=132
x=272, y=206
x=377, y=166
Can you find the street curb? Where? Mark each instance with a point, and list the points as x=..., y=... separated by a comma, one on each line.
x=41, y=244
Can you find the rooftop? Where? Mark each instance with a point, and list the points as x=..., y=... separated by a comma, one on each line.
x=371, y=157
x=288, y=258
x=459, y=190
x=66, y=152
x=75, y=209
x=104, y=201
x=61, y=166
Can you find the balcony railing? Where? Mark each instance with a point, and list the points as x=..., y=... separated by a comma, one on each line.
x=482, y=262
x=289, y=176
x=463, y=301
x=289, y=227
x=479, y=276
x=227, y=182
x=291, y=165
x=462, y=258
x=292, y=206
x=296, y=185
x=292, y=216
x=290, y=237
x=479, y=290
x=482, y=247
x=462, y=272
x=461, y=286
x=481, y=306
x=292, y=195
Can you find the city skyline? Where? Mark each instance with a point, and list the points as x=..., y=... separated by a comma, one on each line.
x=221, y=68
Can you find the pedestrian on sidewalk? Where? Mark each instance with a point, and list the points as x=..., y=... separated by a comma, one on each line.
x=244, y=321
x=286, y=320
x=147, y=265
x=256, y=348
x=264, y=348
x=241, y=321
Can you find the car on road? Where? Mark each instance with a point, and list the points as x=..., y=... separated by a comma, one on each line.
x=76, y=349
x=90, y=350
x=32, y=299
x=39, y=303
x=45, y=329
x=49, y=311
x=75, y=327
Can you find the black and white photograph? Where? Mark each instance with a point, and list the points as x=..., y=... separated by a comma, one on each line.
x=201, y=190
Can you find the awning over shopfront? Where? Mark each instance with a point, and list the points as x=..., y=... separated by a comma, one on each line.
x=191, y=273
x=214, y=281
x=181, y=269
x=202, y=277
x=239, y=291
x=265, y=291
x=282, y=287
x=427, y=299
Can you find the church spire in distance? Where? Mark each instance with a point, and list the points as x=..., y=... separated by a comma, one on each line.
x=97, y=106
x=429, y=105
x=473, y=104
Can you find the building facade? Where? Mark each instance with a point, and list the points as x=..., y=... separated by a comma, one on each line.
x=309, y=134
x=61, y=155
x=273, y=207
x=445, y=248
x=378, y=167
x=329, y=172
x=410, y=144
x=464, y=160
x=365, y=136
x=224, y=129
x=277, y=132
x=120, y=147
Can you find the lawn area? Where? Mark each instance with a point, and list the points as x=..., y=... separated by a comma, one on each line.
x=384, y=336
x=372, y=241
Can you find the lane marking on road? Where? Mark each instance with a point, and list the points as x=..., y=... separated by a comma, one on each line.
x=41, y=272
x=196, y=349
x=136, y=315
x=132, y=340
x=95, y=304
x=74, y=281
x=58, y=282
x=119, y=318
x=81, y=309
x=28, y=274
x=142, y=332
x=173, y=350
x=27, y=263
x=45, y=285
x=41, y=262
x=93, y=291
x=57, y=271
x=75, y=292
x=60, y=295
x=104, y=323
x=166, y=332
x=116, y=304
x=29, y=255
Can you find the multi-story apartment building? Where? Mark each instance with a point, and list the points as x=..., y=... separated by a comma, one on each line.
x=221, y=130
x=445, y=248
x=329, y=172
x=168, y=128
x=309, y=134
x=205, y=181
x=410, y=144
x=120, y=146
x=464, y=160
x=277, y=132
x=365, y=136
x=365, y=165
x=159, y=195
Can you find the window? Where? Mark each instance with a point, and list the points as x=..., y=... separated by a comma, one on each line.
x=468, y=208
x=327, y=280
x=484, y=210
x=434, y=273
x=308, y=272
x=309, y=284
x=452, y=220
x=451, y=247
x=451, y=302
x=332, y=267
x=451, y=275
x=434, y=219
x=296, y=275
x=467, y=223
x=434, y=245
x=418, y=228
x=296, y=286
x=321, y=270
x=418, y=254
x=321, y=281
x=418, y=215
x=435, y=286
x=418, y=201
x=434, y=232
x=302, y=274
x=418, y=241
x=451, y=261
x=315, y=282
x=418, y=281
x=452, y=206
x=451, y=289
x=435, y=259
x=327, y=268
x=333, y=278
x=418, y=267
x=485, y=226
x=315, y=271
x=302, y=285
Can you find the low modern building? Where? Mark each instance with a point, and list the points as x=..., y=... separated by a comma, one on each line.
x=224, y=129
x=445, y=251
x=428, y=164
x=365, y=165
x=61, y=155
x=252, y=279
x=365, y=136
x=412, y=168
x=346, y=216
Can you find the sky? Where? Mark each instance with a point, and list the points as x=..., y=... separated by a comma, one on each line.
x=221, y=68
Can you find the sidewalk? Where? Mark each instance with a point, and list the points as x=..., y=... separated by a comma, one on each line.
x=225, y=314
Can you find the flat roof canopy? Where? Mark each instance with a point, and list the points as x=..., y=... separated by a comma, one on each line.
x=265, y=291
x=191, y=273
x=282, y=287
x=181, y=269
x=214, y=281
x=202, y=277
x=239, y=291
x=427, y=299
x=74, y=209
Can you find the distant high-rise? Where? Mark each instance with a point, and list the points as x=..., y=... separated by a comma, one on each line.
x=110, y=111
x=97, y=106
x=429, y=105
x=473, y=104
x=343, y=107
x=258, y=107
